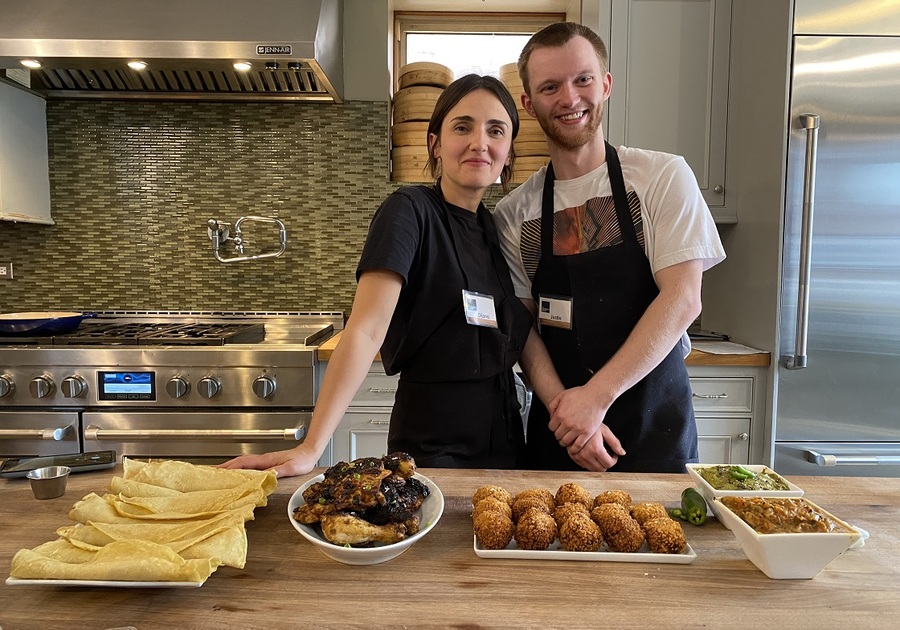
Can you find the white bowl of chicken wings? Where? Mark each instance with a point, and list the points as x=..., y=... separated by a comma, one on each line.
x=366, y=511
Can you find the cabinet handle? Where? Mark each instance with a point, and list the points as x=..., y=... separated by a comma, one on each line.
x=382, y=390
x=743, y=437
x=710, y=396
x=809, y=122
x=379, y=422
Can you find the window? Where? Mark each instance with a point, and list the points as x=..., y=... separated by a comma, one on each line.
x=465, y=42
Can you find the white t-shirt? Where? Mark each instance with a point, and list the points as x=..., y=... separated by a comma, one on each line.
x=676, y=223
x=671, y=218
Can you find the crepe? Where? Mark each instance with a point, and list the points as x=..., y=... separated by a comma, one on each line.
x=186, y=477
x=126, y=560
x=222, y=537
x=162, y=521
x=110, y=509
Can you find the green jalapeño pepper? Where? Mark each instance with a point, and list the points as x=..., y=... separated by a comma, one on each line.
x=739, y=472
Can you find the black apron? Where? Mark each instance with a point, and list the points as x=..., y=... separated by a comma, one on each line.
x=471, y=418
x=611, y=289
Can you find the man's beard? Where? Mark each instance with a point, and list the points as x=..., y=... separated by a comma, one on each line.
x=567, y=140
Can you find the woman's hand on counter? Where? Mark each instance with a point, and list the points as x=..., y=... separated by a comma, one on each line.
x=295, y=461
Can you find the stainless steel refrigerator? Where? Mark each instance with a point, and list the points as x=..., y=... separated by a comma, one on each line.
x=838, y=387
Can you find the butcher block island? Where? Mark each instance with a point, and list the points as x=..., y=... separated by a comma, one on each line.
x=440, y=581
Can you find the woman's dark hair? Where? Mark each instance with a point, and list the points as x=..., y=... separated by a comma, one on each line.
x=452, y=95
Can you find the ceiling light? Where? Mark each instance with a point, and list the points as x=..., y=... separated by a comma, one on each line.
x=242, y=66
x=137, y=65
x=30, y=63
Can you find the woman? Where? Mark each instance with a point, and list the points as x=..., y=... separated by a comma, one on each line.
x=434, y=294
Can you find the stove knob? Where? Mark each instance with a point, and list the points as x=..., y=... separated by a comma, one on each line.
x=7, y=385
x=178, y=387
x=264, y=386
x=209, y=387
x=73, y=386
x=41, y=386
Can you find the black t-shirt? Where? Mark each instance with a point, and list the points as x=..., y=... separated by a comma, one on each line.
x=411, y=236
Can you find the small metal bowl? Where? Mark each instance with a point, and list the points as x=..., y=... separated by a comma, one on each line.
x=49, y=482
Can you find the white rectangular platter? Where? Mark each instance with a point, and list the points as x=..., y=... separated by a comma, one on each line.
x=555, y=552
x=105, y=583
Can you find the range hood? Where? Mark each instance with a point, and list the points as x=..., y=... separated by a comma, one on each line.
x=190, y=48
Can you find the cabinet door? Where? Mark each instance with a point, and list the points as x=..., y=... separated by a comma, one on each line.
x=24, y=166
x=670, y=65
x=724, y=440
x=362, y=432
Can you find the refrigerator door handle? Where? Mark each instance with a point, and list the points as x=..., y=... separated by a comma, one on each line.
x=809, y=122
x=850, y=459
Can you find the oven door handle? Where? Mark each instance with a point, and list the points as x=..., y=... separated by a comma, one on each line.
x=56, y=434
x=96, y=434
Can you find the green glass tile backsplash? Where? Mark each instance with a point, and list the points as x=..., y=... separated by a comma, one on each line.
x=133, y=185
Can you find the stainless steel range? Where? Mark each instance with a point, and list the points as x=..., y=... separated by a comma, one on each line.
x=201, y=386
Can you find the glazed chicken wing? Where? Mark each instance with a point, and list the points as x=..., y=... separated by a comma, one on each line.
x=344, y=529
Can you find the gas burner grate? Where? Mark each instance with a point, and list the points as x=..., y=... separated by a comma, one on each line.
x=161, y=334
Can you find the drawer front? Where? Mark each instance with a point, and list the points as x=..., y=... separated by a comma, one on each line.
x=722, y=395
x=377, y=390
x=362, y=432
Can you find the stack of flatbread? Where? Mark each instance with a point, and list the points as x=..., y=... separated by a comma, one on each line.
x=162, y=521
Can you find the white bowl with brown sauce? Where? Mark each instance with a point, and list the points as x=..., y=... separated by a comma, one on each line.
x=786, y=551
x=429, y=513
x=711, y=492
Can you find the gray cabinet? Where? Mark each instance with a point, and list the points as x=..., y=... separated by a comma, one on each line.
x=363, y=430
x=670, y=65
x=24, y=166
x=727, y=404
x=727, y=401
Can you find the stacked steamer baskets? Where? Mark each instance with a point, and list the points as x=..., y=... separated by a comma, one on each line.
x=531, y=143
x=421, y=84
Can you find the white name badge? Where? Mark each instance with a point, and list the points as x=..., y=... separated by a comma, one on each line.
x=479, y=309
x=556, y=312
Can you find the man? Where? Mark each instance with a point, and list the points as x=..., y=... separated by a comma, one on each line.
x=607, y=248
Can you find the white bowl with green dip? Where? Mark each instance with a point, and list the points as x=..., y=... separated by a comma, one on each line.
x=715, y=481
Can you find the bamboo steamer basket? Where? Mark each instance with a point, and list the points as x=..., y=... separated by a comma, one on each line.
x=531, y=148
x=408, y=163
x=410, y=133
x=415, y=103
x=425, y=73
x=530, y=130
x=509, y=73
x=525, y=166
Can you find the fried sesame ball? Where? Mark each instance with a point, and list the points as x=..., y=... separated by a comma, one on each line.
x=573, y=493
x=492, y=504
x=665, y=535
x=580, y=533
x=613, y=496
x=520, y=506
x=491, y=491
x=535, y=530
x=566, y=510
x=539, y=493
x=603, y=511
x=621, y=532
x=647, y=511
x=493, y=530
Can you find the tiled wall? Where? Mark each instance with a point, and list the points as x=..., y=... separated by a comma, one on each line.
x=133, y=185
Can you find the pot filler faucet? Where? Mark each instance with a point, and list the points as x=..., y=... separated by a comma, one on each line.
x=220, y=233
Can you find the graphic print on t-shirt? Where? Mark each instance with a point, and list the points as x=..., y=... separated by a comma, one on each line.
x=580, y=229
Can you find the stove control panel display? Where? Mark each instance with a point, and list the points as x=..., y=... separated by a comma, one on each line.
x=126, y=386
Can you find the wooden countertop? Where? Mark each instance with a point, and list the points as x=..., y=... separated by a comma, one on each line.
x=696, y=357
x=440, y=582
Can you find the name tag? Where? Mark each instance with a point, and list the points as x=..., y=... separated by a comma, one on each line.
x=479, y=309
x=556, y=312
